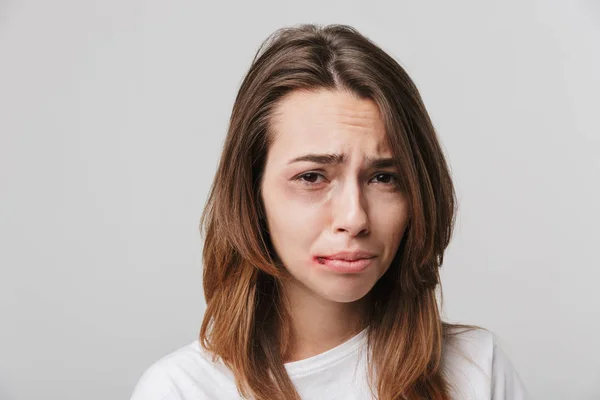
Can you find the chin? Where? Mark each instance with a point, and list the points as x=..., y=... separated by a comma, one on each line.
x=347, y=295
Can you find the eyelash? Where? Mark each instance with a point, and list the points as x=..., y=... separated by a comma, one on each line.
x=393, y=176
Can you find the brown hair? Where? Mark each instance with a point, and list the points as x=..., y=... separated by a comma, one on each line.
x=246, y=322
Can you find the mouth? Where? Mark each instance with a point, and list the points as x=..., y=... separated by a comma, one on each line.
x=346, y=263
x=348, y=256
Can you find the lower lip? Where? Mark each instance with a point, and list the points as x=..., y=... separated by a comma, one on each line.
x=345, y=267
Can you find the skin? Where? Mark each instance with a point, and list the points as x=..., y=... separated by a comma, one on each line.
x=315, y=208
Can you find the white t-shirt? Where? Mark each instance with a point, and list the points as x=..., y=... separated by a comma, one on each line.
x=339, y=373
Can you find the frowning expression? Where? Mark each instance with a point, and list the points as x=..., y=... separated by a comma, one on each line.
x=331, y=191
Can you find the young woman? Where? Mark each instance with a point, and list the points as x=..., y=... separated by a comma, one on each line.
x=324, y=231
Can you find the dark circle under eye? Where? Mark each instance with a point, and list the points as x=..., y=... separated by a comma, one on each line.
x=310, y=177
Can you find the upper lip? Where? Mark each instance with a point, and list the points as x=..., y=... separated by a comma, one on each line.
x=348, y=255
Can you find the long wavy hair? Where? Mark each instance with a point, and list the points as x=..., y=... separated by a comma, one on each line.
x=247, y=320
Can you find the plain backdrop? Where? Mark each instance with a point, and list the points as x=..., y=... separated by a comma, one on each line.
x=112, y=118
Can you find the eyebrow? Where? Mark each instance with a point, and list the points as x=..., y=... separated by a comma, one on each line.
x=336, y=158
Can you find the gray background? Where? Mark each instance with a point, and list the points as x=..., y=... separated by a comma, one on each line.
x=112, y=116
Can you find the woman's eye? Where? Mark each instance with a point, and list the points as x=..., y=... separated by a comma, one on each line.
x=385, y=178
x=309, y=177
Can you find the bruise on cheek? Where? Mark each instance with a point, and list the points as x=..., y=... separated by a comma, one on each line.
x=296, y=191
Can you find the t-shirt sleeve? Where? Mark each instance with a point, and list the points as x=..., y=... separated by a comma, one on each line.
x=155, y=384
x=506, y=382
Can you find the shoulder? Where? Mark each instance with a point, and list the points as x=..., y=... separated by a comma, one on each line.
x=477, y=366
x=186, y=373
x=476, y=344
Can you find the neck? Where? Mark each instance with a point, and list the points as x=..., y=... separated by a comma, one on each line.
x=319, y=324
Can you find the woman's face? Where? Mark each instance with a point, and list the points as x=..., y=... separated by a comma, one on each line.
x=329, y=186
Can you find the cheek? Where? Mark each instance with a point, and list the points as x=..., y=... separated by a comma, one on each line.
x=390, y=220
x=294, y=220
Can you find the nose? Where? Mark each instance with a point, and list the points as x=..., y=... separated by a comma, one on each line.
x=349, y=211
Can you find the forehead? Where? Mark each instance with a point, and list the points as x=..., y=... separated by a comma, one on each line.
x=328, y=120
